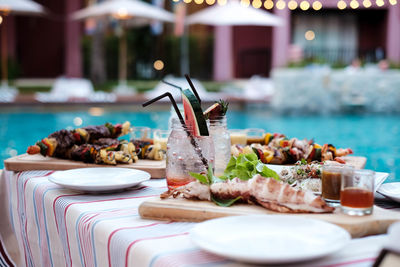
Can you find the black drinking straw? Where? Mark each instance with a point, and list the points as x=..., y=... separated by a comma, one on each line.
x=171, y=84
x=197, y=149
x=171, y=98
x=192, y=86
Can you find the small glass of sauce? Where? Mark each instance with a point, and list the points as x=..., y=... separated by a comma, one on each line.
x=255, y=135
x=331, y=183
x=357, y=192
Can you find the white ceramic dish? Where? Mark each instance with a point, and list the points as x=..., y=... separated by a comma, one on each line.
x=269, y=238
x=391, y=190
x=99, y=179
x=380, y=177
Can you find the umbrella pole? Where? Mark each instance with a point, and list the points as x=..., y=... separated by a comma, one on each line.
x=4, y=67
x=123, y=58
x=185, y=52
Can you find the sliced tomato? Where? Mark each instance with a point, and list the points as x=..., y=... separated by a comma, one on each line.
x=77, y=137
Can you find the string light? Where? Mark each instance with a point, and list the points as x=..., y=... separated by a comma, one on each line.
x=187, y=1
x=121, y=14
x=292, y=5
x=175, y=0
x=317, y=5
x=245, y=3
x=199, y=2
x=268, y=4
x=309, y=35
x=367, y=3
x=210, y=2
x=393, y=2
x=304, y=5
x=280, y=4
x=354, y=4
x=257, y=3
x=380, y=3
x=1, y=19
x=221, y=2
x=341, y=4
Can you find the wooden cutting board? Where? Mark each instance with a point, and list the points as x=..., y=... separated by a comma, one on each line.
x=27, y=162
x=195, y=211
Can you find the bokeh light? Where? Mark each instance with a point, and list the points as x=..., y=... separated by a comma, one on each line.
x=380, y=3
x=280, y=4
x=341, y=4
x=292, y=5
x=317, y=5
x=96, y=111
x=158, y=64
x=367, y=3
x=304, y=5
x=354, y=4
x=199, y=2
x=78, y=121
x=245, y=3
x=393, y=2
x=257, y=3
x=221, y=2
x=268, y=4
x=309, y=35
x=210, y=2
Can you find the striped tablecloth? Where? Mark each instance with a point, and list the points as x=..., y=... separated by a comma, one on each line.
x=42, y=224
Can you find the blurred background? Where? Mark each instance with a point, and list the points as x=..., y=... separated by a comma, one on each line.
x=327, y=70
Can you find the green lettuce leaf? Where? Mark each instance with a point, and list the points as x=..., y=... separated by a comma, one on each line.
x=202, y=179
x=245, y=166
x=224, y=202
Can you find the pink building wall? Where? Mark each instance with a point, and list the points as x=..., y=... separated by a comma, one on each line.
x=281, y=41
x=73, y=31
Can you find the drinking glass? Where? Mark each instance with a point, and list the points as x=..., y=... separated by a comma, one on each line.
x=161, y=138
x=141, y=133
x=255, y=135
x=357, y=192
x=331, y=183
x=187, y=153
x=238, y=137
x=222, y=143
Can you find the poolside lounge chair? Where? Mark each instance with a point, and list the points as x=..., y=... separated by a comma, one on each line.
x=74, y=90
x=7, y=93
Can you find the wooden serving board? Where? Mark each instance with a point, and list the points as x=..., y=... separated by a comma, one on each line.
x=195, y=211
x=27, y=162
x=356, y=162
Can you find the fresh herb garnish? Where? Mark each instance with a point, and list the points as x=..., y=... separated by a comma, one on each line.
x=245, y=166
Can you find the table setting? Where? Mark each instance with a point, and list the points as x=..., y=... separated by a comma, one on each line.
x=218, y=198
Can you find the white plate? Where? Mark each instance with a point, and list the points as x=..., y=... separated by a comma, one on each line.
x=269, y=238
x=391, y=190
x=99, y=179
x=380, y=177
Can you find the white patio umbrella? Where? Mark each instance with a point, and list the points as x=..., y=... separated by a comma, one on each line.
x=13, y=7
x=125, y=10
x=232, y=14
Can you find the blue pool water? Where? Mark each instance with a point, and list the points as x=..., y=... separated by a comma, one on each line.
x=376, y=137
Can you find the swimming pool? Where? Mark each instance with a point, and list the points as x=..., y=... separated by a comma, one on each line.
x=373, y=136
